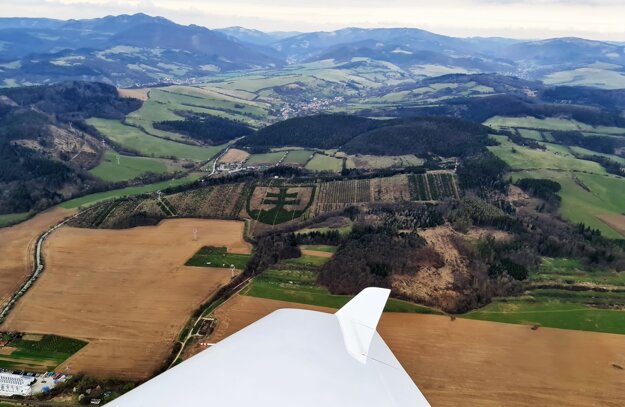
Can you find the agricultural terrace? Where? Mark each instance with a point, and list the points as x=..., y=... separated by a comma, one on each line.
x=336, y=195
x=218, y=201
x=589, y=194
x=37, y=353
x=274, y=205
x=433, y=186
x=433, y=350
x=17, y=245
x=126, y=292
x=264, y=204
x=91, y=199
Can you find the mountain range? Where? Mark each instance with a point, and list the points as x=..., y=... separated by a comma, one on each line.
x=136, y=50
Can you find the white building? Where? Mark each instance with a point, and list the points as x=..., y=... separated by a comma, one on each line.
x=13, y=384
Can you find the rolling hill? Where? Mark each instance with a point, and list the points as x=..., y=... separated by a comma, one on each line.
x=134, y=50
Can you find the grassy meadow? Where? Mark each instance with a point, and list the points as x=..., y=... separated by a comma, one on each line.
x=129, y=167
x=322, y=162
x=218, y=257
x=588, y=193
x=300, y=286
x=147, y=145
x=40, y=353
x=576, y=310
x=13, y=218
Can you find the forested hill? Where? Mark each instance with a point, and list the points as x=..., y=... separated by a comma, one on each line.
x=320, y=131
x=73, y=100
x=420, y=135
x=41, y=133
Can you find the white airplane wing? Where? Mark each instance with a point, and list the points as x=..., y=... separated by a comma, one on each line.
x=291, y=358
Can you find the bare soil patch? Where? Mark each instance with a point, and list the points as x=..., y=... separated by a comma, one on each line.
x=234, y=155
x=125, y=291
x=391, y=189
x=141, y=94
x=7, y=350
x=317, y=253
x=435, y=285
x=17, y=245
x=479, y=363
x=615, y=221
x=32, y=337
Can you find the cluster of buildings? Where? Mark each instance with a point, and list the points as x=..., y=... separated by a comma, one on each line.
x=14, y=384
x=27, y=384
x=309, y=107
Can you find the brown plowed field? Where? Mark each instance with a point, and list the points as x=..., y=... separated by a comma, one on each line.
x=125, y=291
x=141, y=94
x=615, y=221
x=17, y=245
x=234, y=155
x=479, y=363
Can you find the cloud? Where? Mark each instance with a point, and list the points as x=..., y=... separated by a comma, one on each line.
x=598, y=19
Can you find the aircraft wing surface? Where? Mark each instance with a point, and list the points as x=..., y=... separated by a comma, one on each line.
x=291, y=358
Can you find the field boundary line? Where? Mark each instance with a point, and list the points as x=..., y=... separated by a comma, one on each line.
x=236, y=290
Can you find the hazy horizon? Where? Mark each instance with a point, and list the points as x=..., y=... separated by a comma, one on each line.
x=521, y=19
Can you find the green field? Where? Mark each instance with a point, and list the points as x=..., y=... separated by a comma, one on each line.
x=165, y=104
x=322, y=162
x=150, y=146
x=277, y=213
x=319, y=248
x=300, y=286
x=40, y=356
x=129, y=191
x=559, y=309
x=343, y=230
x=588, y=191
x=572, y=271
x=555, y=157
x=128, y=168
x=603, y=76
x=550, y=123
x=265, y=159
x=585, y=197
x=376, y=162
x=531, y=134
x=306, y=260
x=299, y=157
x=13, y=218
x=209, y=256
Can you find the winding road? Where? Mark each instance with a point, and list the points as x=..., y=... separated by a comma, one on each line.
x=37, y=269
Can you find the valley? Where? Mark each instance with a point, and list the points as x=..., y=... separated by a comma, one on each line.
x=213, y=176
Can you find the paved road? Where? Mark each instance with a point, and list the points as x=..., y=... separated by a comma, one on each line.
x=37, y=270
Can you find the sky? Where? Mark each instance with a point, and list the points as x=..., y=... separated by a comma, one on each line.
x=593, y=19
